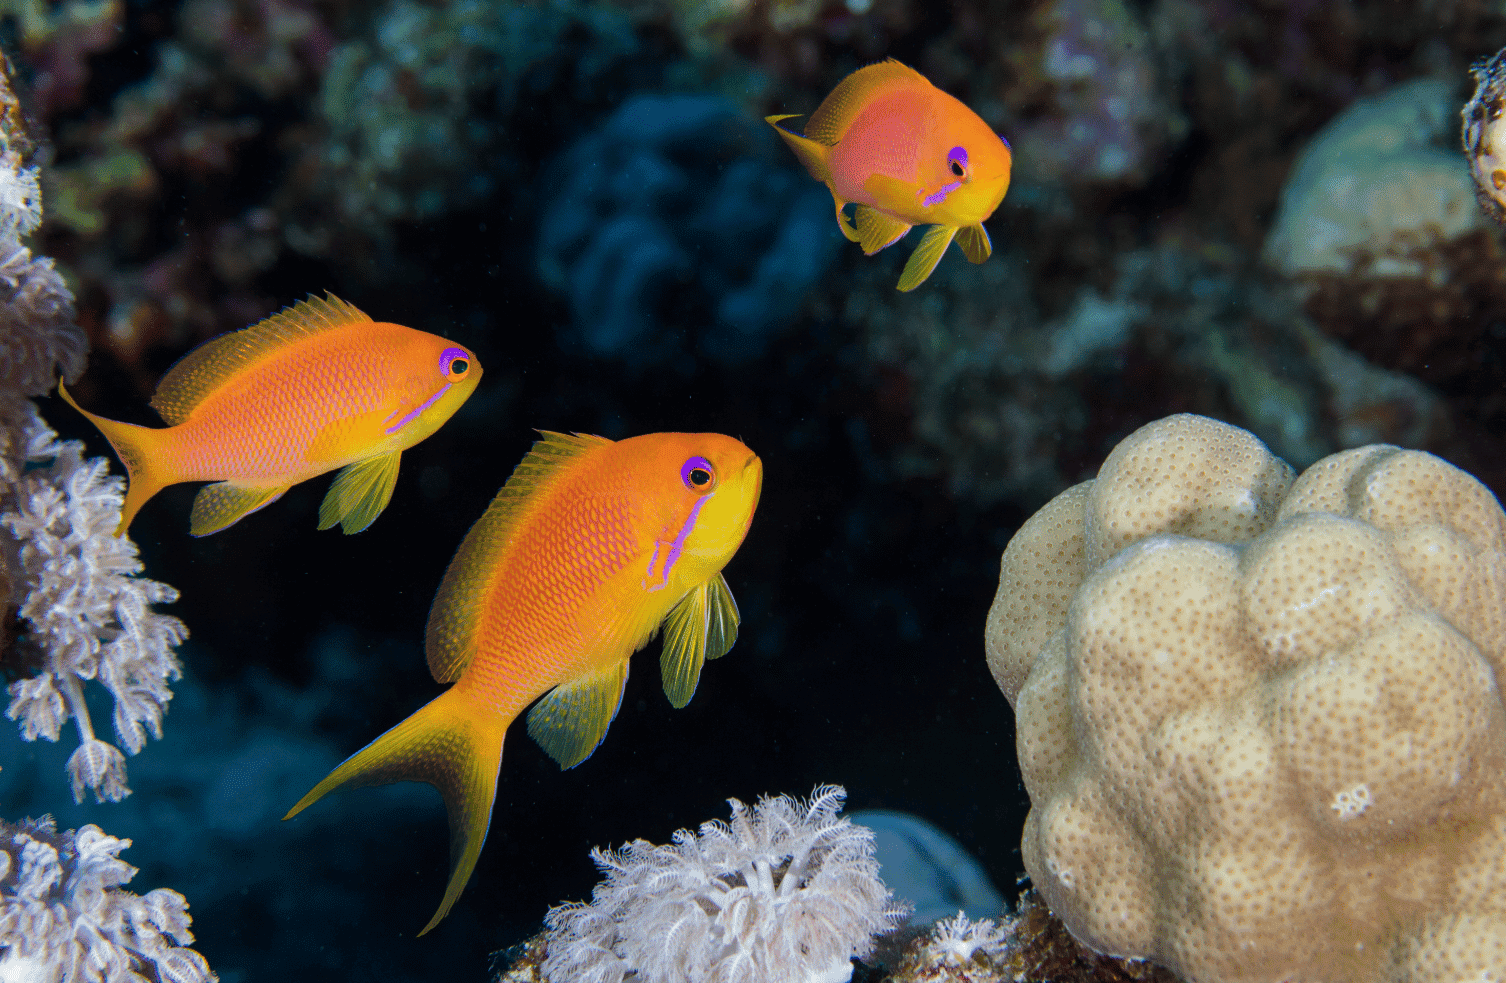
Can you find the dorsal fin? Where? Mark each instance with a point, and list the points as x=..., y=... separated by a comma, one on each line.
x=449, y=641
x=216, y=361
x=831, y=119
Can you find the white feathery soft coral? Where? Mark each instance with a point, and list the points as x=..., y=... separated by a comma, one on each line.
x=64, y=917
x=784, y=893
x=74, y=581
x=63, y=571
x=956, y=940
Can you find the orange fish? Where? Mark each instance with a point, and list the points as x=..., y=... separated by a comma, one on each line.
x=316, y=387
x=589, y=549
x=908, y=154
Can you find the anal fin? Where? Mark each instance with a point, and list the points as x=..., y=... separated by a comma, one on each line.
x=360, y=492
x=224, y=503
x=702, y=626
x=573, y=718
x=876, y=230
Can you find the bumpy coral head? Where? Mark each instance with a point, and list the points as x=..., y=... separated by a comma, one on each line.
x=1258, y=716
x=705, y=487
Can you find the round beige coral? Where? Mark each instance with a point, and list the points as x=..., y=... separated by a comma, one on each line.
x=1258, y=715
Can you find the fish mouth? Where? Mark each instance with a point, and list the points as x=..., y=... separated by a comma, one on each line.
x=997, y=189
x=757, y=466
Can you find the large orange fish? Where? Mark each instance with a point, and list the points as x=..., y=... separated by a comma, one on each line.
x=908, y=154
x=588, y=550
x=316, y=387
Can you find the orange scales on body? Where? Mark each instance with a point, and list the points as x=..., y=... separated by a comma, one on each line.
x=590, y=548
x=311, y=389
x=907, y=154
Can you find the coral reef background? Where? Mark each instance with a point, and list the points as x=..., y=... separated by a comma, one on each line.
x=471, y=168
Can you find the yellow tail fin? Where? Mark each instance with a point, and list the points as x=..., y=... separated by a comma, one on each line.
x=137, y=449
x=812, y=154
x=452, y=746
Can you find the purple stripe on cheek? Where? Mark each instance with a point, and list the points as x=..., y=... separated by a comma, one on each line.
x=940, y=196
x=413, y=413
x=672, y=555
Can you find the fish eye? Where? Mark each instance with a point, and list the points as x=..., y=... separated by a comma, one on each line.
x=455, y=363
x=956, y=159
x=698, y=474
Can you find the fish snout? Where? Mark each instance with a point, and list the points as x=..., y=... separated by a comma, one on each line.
x=755, y=480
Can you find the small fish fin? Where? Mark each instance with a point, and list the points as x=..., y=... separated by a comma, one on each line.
x=846, y=226
x=829, y=123
x=974, y=242
x=702, y=626
x=812, y=154
x=224, y=503
x=878, y=231
x=573, y=718
x=452, y=746
x=450, y=639
x=926, y=256
x=359, y=493
x=208, y=367
x=138, y=450
x=815, y=158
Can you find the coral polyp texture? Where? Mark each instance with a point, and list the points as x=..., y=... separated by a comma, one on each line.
x=65, y=918
x=1483, y=137
x=1258, y=715
x=67, y=582
x=786, y=892
x=1380, y=228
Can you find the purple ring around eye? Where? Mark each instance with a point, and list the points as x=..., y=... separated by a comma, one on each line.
x=957, y=155
x=695, y=464
x=448, y=356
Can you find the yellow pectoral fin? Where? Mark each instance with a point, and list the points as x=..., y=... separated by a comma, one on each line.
x=878, y=231
x=453, y=745
x=225, y=503
x=573, y=718
x=894, y=195
x=926, y=256
x=360, y=492
x=702, y=626
x=974, y=242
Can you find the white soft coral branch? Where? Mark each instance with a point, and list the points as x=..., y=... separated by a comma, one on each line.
x=65, y=917
x=63, y=570
x=89, y=615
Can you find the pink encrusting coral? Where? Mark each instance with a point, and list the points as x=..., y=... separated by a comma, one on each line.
x=785, y=893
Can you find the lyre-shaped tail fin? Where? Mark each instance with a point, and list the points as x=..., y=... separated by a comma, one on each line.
x=137, y=448
x=452, y=747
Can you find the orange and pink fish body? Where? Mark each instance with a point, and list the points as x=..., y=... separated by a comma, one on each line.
x=316, y=387
x=907, y=154
x=589, y=549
